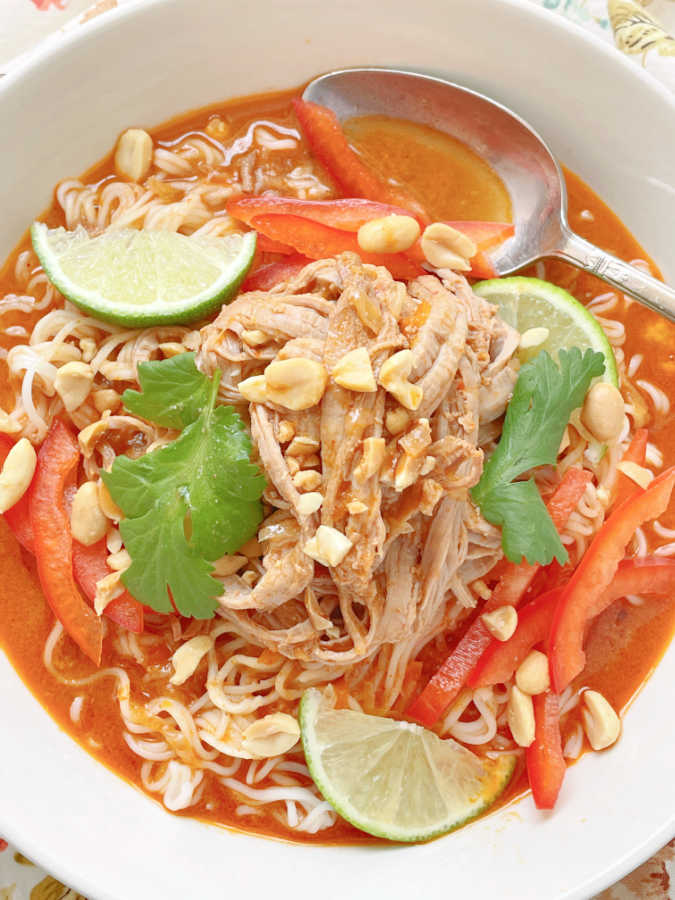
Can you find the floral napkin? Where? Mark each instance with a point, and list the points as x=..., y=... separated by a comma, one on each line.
x=642, y=29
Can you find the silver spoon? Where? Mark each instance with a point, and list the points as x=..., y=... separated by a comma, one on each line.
x=512, y=148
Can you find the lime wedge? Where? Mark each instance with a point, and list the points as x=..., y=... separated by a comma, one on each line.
x=527, y=303
x=143, y=277
x=395, y=780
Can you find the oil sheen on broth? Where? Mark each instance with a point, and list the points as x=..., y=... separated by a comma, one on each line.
x=453, y=183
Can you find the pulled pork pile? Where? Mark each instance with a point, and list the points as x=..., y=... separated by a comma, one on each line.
x=369, y=403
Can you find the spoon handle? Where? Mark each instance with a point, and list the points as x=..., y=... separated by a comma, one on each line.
x=628, y=279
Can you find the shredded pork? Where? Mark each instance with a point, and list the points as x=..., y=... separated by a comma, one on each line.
x=398, y=494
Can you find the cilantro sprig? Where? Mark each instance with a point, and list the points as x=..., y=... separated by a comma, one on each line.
x=190, y=502
x=543, y=399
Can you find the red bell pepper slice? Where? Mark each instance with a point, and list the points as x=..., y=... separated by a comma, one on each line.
x=595, y=572
x=318, y=241
x=57, y=461
x=649, y=575
x=87, y=561
x=329, y=145
x=268, y=276
x=452, y=675
x=267, y=245
x=502, y=658
x=635, y=453
x=345, y=215
x=89, y=567
x=545, y=761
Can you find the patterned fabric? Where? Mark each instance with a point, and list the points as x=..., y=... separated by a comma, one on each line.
x=644, y=30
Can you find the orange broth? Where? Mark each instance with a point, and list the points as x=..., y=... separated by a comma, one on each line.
x=624, y=644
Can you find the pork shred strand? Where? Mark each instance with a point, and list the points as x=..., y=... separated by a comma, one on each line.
x=416, y=539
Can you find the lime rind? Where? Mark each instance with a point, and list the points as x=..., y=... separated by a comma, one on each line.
x=546, y=304
x=389, y=765
x=219, y=263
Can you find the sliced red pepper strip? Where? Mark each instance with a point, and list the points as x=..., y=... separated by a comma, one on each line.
x=346, y=215
x=267, y=245
x=635, y=453
x=329, y=145
x=18, y=517
x=267, y=276
x=595, y=572
x=452, y=675
x=649, y=576
x=502, y=658
x=89, y=567
x=57, y=461
x=545, y=761
x=481, y=266
x=318, y=241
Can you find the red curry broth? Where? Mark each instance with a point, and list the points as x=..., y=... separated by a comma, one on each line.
x=626, y=642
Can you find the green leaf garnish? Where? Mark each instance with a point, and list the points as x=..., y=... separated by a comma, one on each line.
x=174, y=392
x=543, y=399
x=190, y=502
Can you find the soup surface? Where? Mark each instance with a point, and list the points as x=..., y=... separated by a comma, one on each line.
x=257, y=143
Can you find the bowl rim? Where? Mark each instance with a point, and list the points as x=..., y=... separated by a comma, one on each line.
x=76, y=32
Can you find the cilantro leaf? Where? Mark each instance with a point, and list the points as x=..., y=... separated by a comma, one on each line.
x=174, y=391
x=543, y=399
x=188, y=503
x=527, y=528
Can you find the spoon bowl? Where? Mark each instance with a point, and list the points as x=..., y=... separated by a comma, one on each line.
x=511, y=147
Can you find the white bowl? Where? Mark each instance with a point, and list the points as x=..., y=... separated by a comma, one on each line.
x=609, y=122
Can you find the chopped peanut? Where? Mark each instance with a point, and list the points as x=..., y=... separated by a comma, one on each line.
x=407, y=470
x=119, y=561
x=532, y=676
x=501, y=622
x=133, y=156
x=603, y=412
x=307, y=480
x=366, y=309
x=17, y=473
x=8, y=425
x=88, y=522
x=396, y=420
x=302, y=445
x=310, y=503
x=253, y=389
x=446, y=248
x=73, y=383
x=520, y=716
x=394, y=378
x=188, y=656
x=106, y=400
x=172, y=348
x=272, y=735
x=108, y=506
x=639, y=474
x=107, y=589
x=285, y=431
x=356, y=507
x=601, y=723
x=371, y=459
x=388, y=234
x=328, y=546
x=255, y=337
x=295, y=383
x=354, y=371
